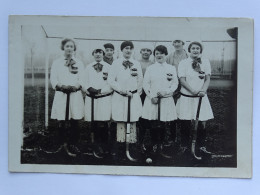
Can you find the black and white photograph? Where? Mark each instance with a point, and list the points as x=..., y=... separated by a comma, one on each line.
x=130, y=95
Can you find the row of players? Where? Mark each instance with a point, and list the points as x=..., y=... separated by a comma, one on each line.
x=128, y=90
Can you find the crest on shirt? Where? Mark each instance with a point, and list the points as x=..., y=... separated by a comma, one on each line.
x=169, y=76
x=133, y=72
x=105, y=75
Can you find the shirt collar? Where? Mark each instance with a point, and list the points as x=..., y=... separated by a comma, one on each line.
x=130, y=59
x=101, y=62
x=163, y=64
x=200, y=56
x=108, y=59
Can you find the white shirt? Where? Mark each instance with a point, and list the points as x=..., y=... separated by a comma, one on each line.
x=186, y=106
x=192, y=76
x=102, y=106
x=92, y=78
x=120, y=78
x=155, y=79
x=60, y=74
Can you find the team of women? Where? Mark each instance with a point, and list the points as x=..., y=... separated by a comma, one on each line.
x=109, y=94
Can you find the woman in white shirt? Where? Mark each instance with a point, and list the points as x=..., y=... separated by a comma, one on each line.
x=126, y=78
x=146, y=51
x=194, y=73
x=160, y=82
x=98, y=100
x=68, y=102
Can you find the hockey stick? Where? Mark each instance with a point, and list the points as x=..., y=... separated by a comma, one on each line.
x=92, y=127
x=195, y=131
x=66, y=126
x=127, y=136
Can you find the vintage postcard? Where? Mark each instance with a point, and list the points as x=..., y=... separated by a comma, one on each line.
x=131, y=95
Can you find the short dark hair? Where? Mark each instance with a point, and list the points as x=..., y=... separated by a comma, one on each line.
x=178, y=41
x=109, y=45
x=66, y=40
x=97, y=50
x=160, y=48
x=195, y=43
x=127, y=43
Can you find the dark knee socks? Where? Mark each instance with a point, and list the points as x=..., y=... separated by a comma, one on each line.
x=68, y=133
x=185, y=132
x=201, y=135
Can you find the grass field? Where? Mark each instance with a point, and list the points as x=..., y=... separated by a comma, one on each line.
x=221, y=136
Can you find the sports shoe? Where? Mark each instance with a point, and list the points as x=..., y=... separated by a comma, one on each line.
x=143, y=148
x=204, y=149
x=88, y=151
x=183, y=149
x=167, y=144
x=155, y=148
x=113, y=150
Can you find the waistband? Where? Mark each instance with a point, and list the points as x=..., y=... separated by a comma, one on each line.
x=135, y=91
x=100, y=96
x=191, y=96
x=69, y=92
